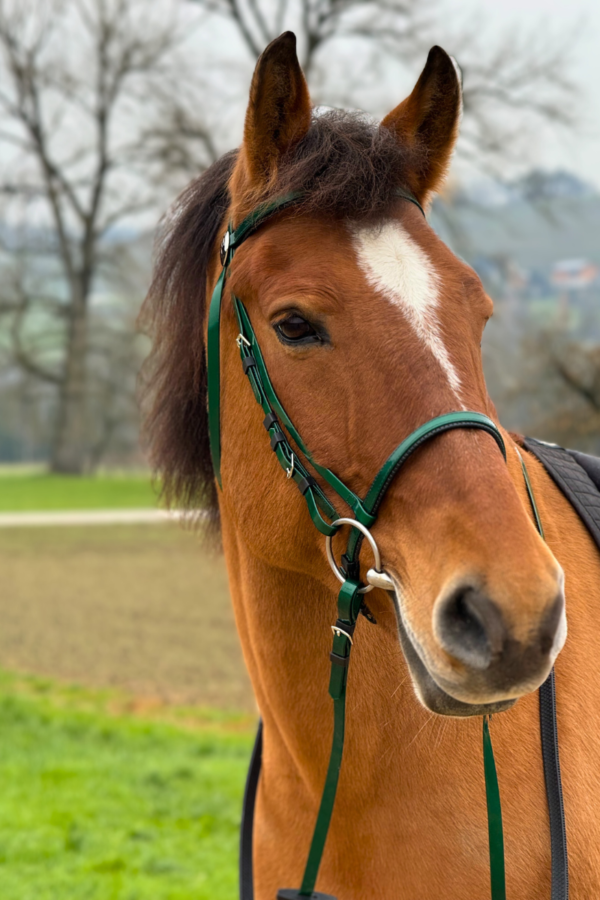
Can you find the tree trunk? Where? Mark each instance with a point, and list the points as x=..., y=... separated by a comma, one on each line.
x=70, y=448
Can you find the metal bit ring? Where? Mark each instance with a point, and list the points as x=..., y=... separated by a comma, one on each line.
x=365, y=531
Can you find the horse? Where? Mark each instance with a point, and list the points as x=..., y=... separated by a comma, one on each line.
x=370, y=326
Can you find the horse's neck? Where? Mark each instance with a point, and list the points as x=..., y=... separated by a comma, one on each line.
x=284, y=621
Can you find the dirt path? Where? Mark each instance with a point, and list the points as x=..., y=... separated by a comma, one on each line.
x=88, y=517
x=141, y=607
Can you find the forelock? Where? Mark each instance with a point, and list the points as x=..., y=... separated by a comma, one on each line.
x=346, y=166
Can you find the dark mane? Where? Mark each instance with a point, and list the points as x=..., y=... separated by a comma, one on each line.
x=173, y=379
x=345, y=167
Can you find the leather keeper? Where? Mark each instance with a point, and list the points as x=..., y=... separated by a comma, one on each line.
x=278, y=437
x=351, y=567
x=305, y=483
x=345, y=626
x=341, y=661
x=248, y=362
x=270, y=420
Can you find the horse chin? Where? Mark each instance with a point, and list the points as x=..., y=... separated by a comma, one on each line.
x=430, y=693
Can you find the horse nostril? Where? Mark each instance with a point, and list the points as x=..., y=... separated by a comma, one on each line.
x=470, y=627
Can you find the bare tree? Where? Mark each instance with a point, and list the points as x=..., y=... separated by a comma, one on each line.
x=93, y=116
x=577, y=363
x=513, y=83
x=393, y=23
x=567, y=390
x=545, y=381
x=107, y=108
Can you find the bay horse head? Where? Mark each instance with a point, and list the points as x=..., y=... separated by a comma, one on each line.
x=369, y=326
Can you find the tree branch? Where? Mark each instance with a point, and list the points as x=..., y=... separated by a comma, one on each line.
x=588, y=393
x=22, y=357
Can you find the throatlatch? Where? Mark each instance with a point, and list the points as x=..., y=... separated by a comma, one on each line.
x=296, y=462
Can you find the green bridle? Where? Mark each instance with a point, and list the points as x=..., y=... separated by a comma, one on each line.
x=328, y=522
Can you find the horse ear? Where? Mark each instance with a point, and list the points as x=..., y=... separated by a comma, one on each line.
x=429, y=119
x=279, y=111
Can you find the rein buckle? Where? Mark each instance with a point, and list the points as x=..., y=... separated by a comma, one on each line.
x=289, y=472
x=339, y=632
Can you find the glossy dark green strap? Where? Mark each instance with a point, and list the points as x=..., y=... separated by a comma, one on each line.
x=406, y=195
x=536, y=514
x=494, y=814
x=446, y=422
x=213, y=354
x=349, y=602
x=231, y=240
x=396, y=459
x=254, y=368
x=258, y=216
x=321, y=830
x=261, y=376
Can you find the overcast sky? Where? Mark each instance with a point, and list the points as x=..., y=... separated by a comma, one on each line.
x=579, y=153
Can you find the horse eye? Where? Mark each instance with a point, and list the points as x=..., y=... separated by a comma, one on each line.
x=294, y=329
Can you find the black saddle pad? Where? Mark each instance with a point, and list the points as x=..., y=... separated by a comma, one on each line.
x=578, y=477
x=591, y=464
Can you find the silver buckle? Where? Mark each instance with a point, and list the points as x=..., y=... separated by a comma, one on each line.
x=240, y=339
x=289, y=472
x=339, y=632
x=224, y=248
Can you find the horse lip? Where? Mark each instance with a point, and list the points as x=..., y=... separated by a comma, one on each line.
x=432, y=696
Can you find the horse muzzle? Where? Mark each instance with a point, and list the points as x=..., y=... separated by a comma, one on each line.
x=482, y=668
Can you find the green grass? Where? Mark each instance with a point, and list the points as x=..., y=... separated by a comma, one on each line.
x=98, y=804
x=40, y=491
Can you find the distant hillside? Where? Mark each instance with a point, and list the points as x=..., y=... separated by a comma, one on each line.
x=536, y=222
x=533, y=235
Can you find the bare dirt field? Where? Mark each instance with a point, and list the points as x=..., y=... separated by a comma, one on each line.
x=141, y=607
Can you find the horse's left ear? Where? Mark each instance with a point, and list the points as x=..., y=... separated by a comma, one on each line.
x=278, y=114
x=428, y=120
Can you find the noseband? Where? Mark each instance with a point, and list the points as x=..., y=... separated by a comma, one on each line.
x=296, y=462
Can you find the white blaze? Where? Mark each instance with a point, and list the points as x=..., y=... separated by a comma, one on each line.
x=396, y=266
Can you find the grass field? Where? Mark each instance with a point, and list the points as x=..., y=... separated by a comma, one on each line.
x=98, y=805
x=129, y=786
x=25, y=491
